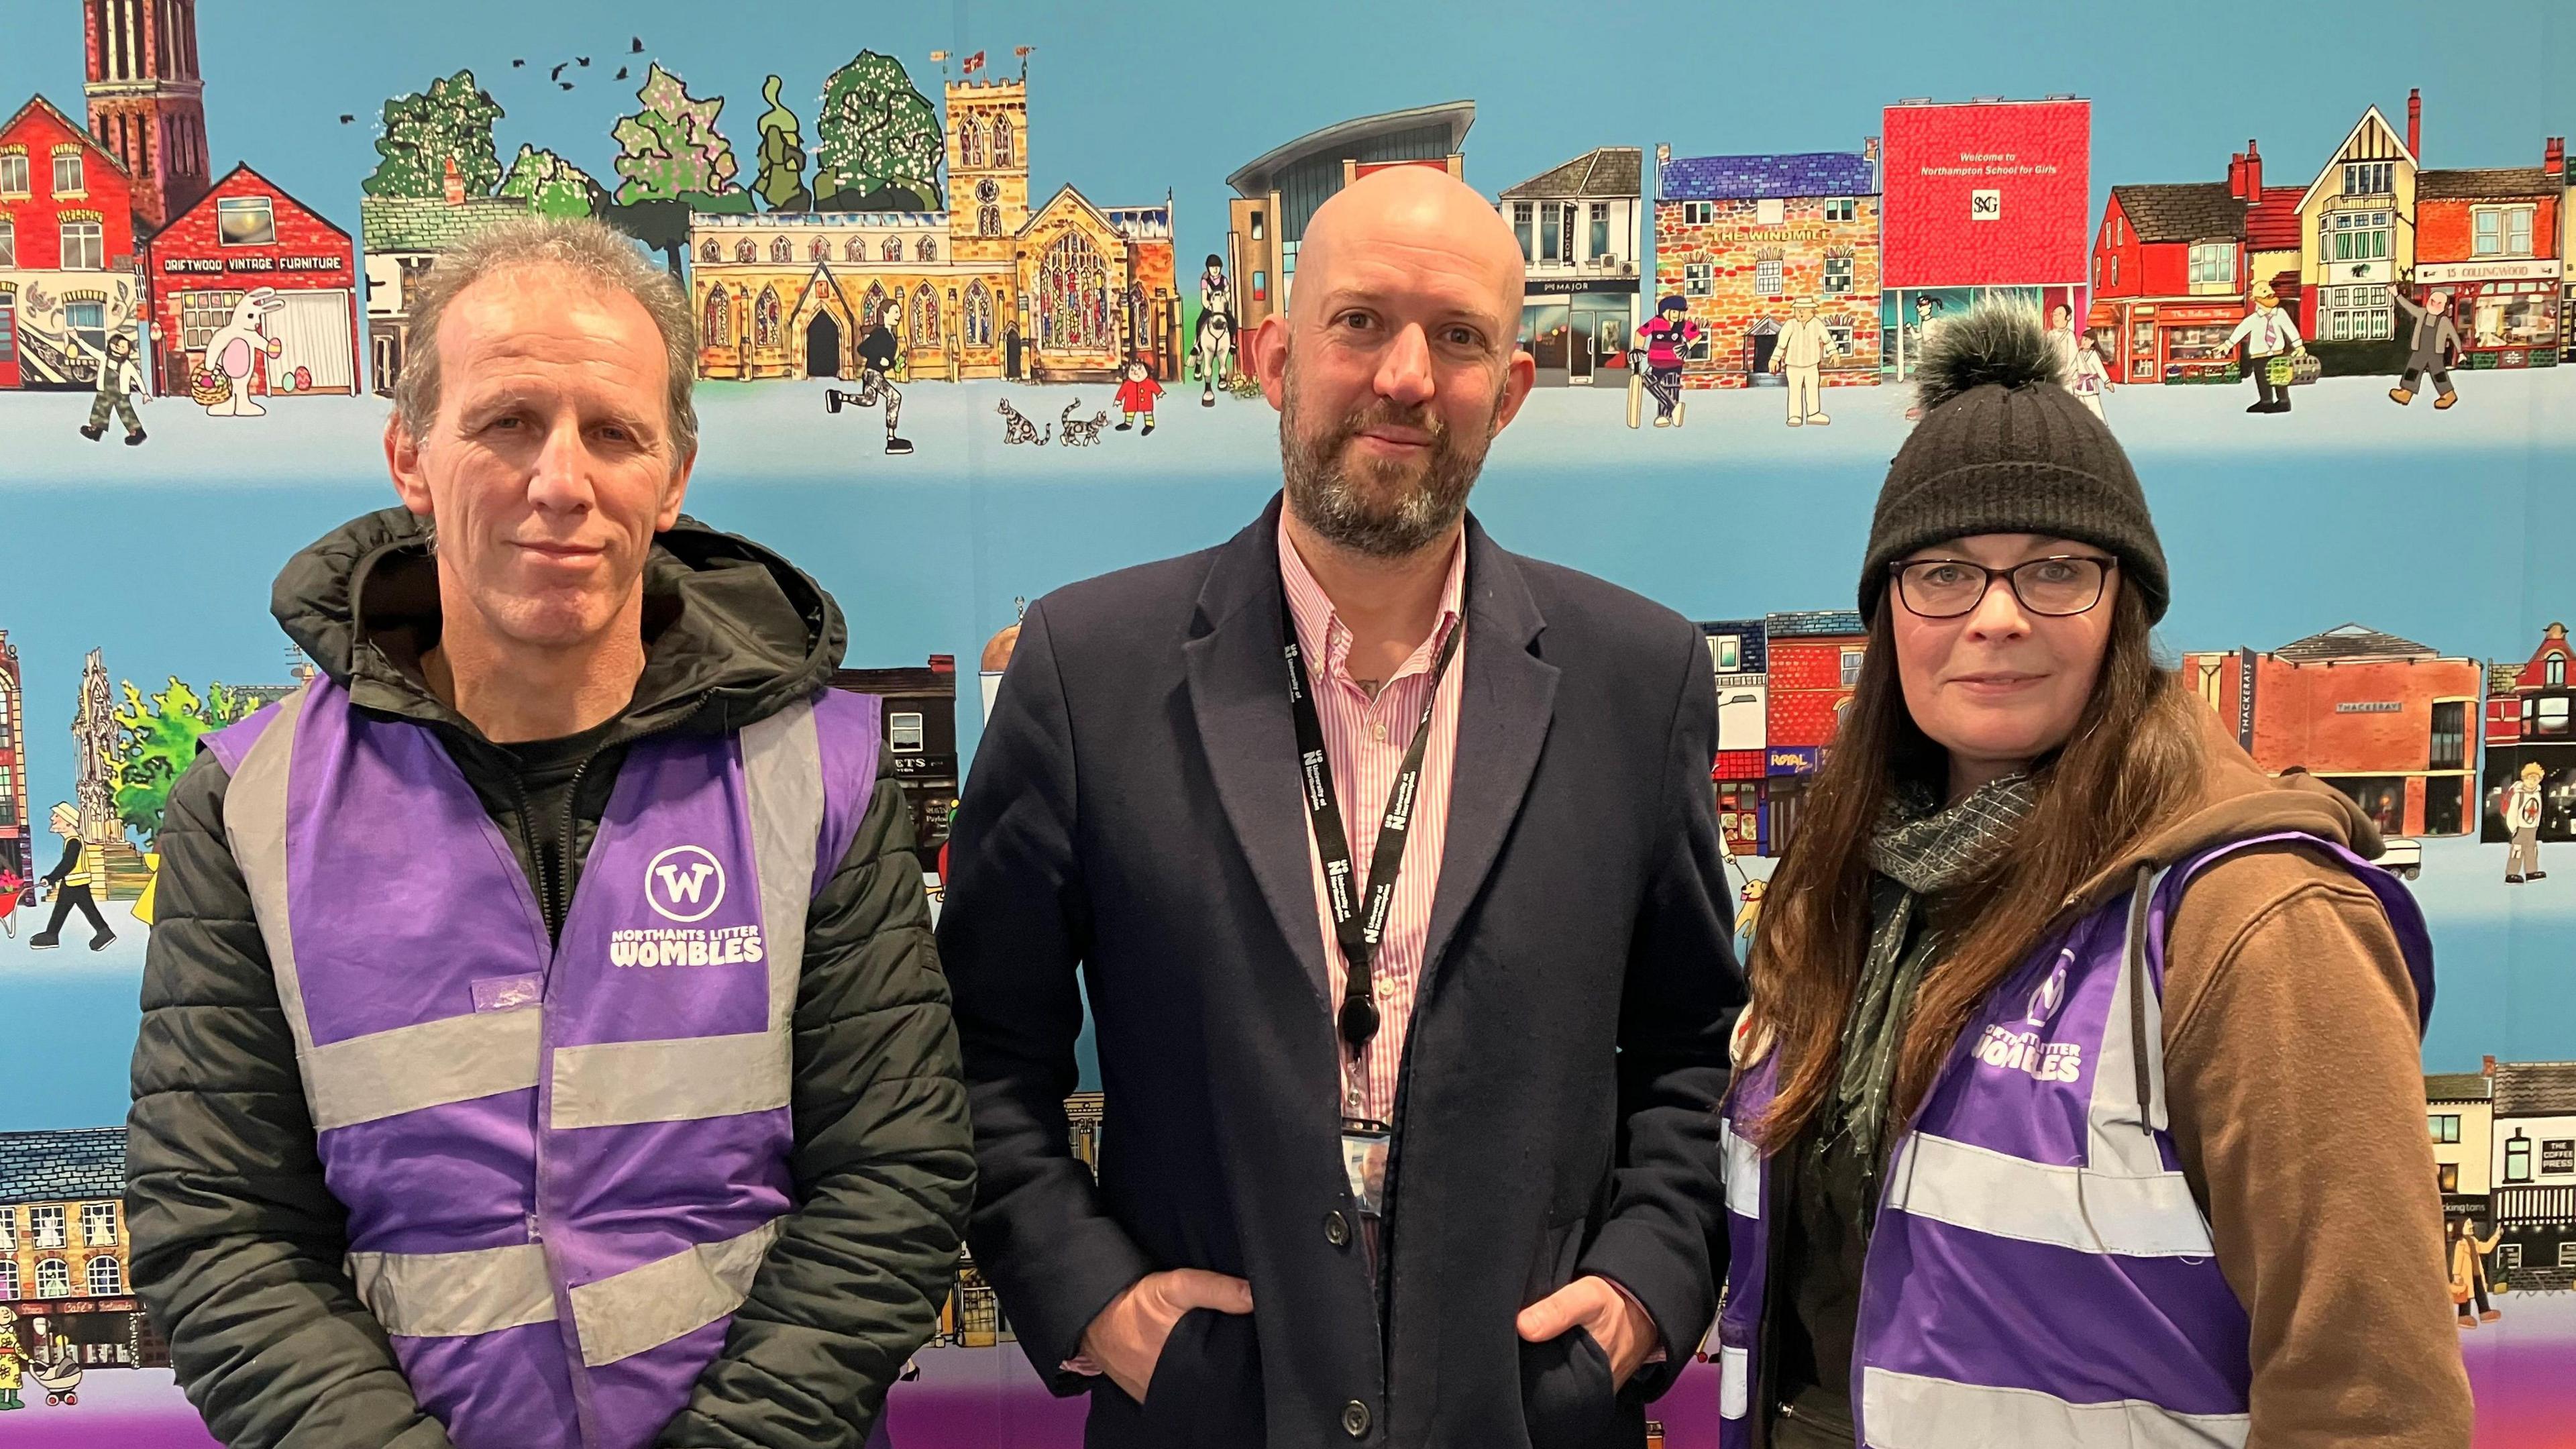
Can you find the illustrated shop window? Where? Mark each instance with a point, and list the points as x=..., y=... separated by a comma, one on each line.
x=88, y=322
x=8, y=1230
x=2197, y=344
x=2369, y=178
x=2447, y=1176
x=67, y=173
x=1841, y=333
x=1698, y=279
x=2566, y=1254
x=1523, y=215
x=1770, y=211
x=1551, y=234
x=1726, y=652
x=2450, y=735
x=98, y=1225
x=2553, y=717
x=45, y=1227
x=8, y=1280
x=84, y=247
x=53, y=1278
x=2446, y=1126
x=2517, y=1159
x=1698, y=213
x=2213, y=266
x=1697, y=351
x=1838, y=274
x=1841, y=208
x=1766, y=278
x=106, y=1276
x=1600, y=230
x=13, y=174
x=2515, y=314
x=2508, y=1256
x=903, y=733
x=1851, y=667
x=245, y=221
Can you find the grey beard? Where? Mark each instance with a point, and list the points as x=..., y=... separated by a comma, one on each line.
x=1352, y=513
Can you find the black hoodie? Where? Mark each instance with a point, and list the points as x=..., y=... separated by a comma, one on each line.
x=237, y=1243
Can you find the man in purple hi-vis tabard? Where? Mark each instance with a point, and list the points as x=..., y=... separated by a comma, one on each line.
x=543, y=1041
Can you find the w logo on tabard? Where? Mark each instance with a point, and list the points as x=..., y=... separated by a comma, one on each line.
x=2049, y=994
x=685, y=883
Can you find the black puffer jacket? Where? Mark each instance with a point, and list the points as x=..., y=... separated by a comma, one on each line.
x=238, y=1245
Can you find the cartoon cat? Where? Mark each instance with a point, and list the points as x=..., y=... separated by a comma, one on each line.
x=1016, y=428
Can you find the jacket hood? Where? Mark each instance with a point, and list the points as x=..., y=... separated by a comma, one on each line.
x=733, y=632
x=2237, y=802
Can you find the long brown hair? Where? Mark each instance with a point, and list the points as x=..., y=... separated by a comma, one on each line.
x=2130, y=766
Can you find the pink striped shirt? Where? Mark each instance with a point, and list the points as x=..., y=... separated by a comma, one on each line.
x=1365, y=740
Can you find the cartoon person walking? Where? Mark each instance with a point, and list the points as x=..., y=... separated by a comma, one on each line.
x=2272, y=350
x=2433, y=344
x=2521, y=812
x=119, y=383
x=1666, y=341
x=75, y=879
x=2469, y=1272
x=878, y=356
x=1136, y=398
x=13, y=1360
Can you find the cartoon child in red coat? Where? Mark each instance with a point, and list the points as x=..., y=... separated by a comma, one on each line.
x=1136, y=398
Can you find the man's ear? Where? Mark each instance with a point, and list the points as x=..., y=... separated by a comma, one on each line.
x=674, y=494
x=1518, y=376
x=402, y=461
x=1269, y=349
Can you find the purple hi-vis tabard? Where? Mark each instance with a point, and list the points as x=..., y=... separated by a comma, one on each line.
x=2039, y=1272
x=562, y=1163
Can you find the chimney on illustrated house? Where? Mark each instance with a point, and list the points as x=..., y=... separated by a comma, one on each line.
x=455, y=184
x=2488, y=1070
x=2253, y=172
x=2415, y=123
x=2553, y=159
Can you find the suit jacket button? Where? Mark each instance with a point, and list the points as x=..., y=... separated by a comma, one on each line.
x=1355, y=1419
x=1337, y=1229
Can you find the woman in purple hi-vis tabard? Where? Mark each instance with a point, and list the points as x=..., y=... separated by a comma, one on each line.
x=2078, y=1104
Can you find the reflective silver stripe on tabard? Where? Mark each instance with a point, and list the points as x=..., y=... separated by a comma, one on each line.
x=407, y=1069
x=782, y=766
x=677, y=1080
x=1993, y=1192
x=1908, y=1411
x=455, y=1295
x=255, y=828
x=1741, y=1165
x=644, y=1308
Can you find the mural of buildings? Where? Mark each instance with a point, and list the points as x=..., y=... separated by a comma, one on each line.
x=64, y=1268
x=1987, y=196
x=1579, y=230
x=1085, y=288
x=919, y=722
x=1742, y=238
x=2535, y=1172
x=2492, y=238
x=972, y=1317
x=246, y=232
x=102, y=828
x=403, y=237
x=1738, y=658
x=2531, y=719
x=2357, y=229
x=146, y=101
x=1812, y=664
x=1277, y=193
x=17, y=840
x=2460, y=1108
x=67, y=249
x=2172, y=265
x=2385, y=720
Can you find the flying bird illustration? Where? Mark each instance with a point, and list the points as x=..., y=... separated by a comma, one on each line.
x=518, y=62
x=344, y=120
x=557, y=72
x=582, y=60
x=635, y=45
x=567, y=85
x=621, y=72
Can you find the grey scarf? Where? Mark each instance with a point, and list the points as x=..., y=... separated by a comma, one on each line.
x=1921, y=849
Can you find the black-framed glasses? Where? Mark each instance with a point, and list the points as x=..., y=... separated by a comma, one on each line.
x=2052, y=587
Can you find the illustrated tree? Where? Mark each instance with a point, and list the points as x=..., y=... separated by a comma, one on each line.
x=781, y=182
x=451, y=121
x=876, y=135
x=553, y=185
x=671, y=150
x=156, y=741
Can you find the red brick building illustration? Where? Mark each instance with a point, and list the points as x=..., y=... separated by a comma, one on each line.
x=146, y=101
x=2531, y=720
x=1814, y=665
x=1740, y=239
x=2493, y=238
x=66, y=249
x=244, y=233
x=2173, y=264
x=17, y=838
x=2385, y=720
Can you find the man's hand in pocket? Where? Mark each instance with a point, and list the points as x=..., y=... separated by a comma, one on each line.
x=1126, y=1340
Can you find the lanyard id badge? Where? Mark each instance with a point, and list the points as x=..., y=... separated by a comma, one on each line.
x=1365, y=1146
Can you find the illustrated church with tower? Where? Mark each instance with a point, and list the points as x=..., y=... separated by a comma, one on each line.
x=147, y=102
x=989, y=287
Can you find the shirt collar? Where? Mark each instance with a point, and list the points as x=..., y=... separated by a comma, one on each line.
x=1323, y=635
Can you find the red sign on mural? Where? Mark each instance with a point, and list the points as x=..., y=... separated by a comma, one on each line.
x=1988, y=194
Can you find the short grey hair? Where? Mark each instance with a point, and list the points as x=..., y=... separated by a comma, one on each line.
x=597, y=255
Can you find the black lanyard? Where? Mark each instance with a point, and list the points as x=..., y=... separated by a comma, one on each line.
x=1357, y=931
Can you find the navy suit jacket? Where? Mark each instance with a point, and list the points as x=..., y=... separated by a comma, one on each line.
x=1134, y=811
